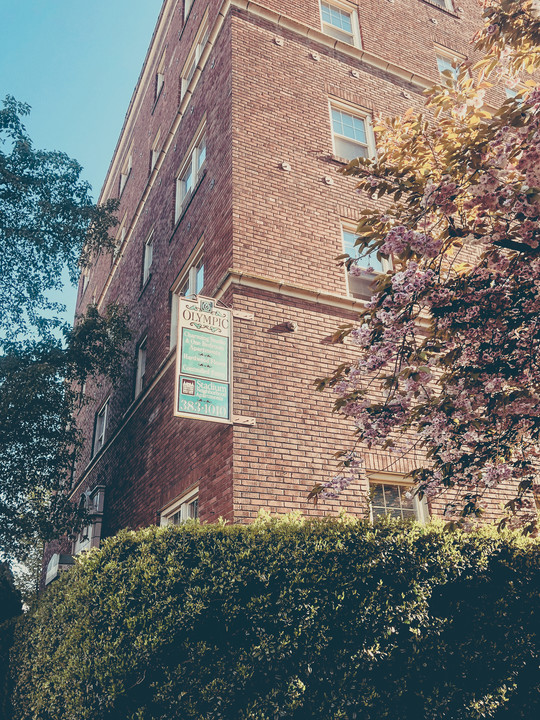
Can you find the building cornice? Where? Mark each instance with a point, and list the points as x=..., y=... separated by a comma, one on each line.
x=287, y=289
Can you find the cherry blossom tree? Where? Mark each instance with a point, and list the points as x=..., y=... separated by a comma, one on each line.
x=450, y=340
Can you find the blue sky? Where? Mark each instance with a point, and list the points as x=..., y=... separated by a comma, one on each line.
x=76, y=62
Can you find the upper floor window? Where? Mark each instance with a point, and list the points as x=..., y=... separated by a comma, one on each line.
x=396, y=499
x=448, y=61
x=126, y=170
x=160, y=78
x=190, y=172
x=352, y=133
x=340, y=21
x=187, y=8
x=141, y=368
x=155, y=150
x=444, y=4
x=360, y=279
x=101, y=427
x=148, y=256
x=194, y=56
x=190, y=282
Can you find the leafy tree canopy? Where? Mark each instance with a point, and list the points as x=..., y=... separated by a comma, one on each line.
x=451, y=335
x=48, y=226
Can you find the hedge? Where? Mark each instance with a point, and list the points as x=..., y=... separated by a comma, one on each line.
x=290, y=619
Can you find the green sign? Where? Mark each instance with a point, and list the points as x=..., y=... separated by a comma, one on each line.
x=205, y=355
x=203, y=397
x=203, y=360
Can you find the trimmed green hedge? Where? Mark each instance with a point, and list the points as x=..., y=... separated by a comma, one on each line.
x=287, y=619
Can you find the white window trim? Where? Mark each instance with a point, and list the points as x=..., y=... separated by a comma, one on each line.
x=366, y=278
x=189, y=69
x=444, y=5
x=450, y=55
x=126, y=170
x=420, y=506
x=90, y=535
x=148, y=257
x=188, y=4
x=351, y=10
x=155, y=150
x=191, y=160
x=99, y=440
x=189, y=274
x=160, y=78
x=141, y=366
x=168, y=512
x=358, y=112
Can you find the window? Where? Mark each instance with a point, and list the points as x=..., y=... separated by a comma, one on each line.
x=444, y=4
x=182, y=509
x=194, y=56
x=352, y=133
x=447, y=60
x=340, y=21
x=126, y=170
x=160, y=78
x=148, y=255
x=141, y=368
x=190, y=282
x=190, y=173
x=119, y=240
x=101, y=427
x=360, y=281
x=90, y=535
x=155, y=150
x=187, y=8
x=397, y=500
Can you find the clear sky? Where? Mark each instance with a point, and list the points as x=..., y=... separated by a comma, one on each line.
x=76, y=62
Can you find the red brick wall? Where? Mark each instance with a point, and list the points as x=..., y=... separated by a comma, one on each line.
x=264, y=103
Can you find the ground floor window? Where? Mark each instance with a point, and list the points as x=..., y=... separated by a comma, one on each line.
x=185, y=507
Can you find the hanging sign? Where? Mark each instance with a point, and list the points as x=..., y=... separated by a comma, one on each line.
x=203, y=360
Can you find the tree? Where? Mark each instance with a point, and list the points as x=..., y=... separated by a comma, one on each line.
x=48, y=225
x=452, y=335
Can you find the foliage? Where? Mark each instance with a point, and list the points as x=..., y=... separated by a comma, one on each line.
x=293, y=619
x=451, y=338
x=48, y=225
x=10, y=609
x=39, y=391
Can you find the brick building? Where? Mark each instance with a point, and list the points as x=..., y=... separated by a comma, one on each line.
x=226, y=169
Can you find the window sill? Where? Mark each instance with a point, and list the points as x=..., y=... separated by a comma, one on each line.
x=452, y=13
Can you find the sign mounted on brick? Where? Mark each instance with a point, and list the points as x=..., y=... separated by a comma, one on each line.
x=203, y=360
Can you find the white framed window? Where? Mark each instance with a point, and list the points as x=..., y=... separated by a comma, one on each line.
x=155, y=150
x=101, y=427
x=140, y=376
x=352, y=132
x=444, y=4
x=391, y=495
x=90, y=535
x=120, y=238
x=340, y=20
x=197, y=49
x=448, y=61
x=189, y=282
x=126, y=171
x=148, y=256
x=360, y=284
x=160, y=78
x=190, y=172
x=184, y=508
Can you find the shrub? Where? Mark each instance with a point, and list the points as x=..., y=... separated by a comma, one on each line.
x=287, y=619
